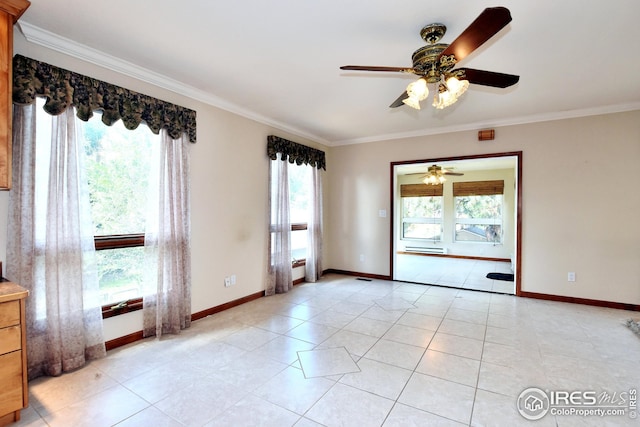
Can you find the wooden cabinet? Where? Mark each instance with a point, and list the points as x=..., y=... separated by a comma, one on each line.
x=14, y=395
x=10, y=11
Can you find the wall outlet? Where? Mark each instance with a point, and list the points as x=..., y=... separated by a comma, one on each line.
x=227, y=281
x=361, y=257
x=571, y=276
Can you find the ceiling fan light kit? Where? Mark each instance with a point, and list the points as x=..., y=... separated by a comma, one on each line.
x=435, y=175
x=435, y=62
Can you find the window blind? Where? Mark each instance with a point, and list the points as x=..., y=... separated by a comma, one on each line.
x=420, y=190
x=478, y=188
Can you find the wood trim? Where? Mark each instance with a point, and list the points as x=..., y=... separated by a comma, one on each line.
x=120, y=341
x=6, y=84
x=584, y=301
x=118, y=241
x=23, y=347
x=479, y=258
x=517, y=154
x=227, y=305
x=15, y=8
x=355, y=273
x=298, y=263
x=115, y=309
x=518, y=272
x=137, y=336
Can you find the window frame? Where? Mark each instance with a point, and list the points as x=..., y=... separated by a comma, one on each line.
x=478, y=221
x=298, y=226
x=120, y=241
x=422, y=190
x=423, y=220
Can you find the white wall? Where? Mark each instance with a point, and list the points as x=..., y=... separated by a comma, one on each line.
x=580, y=201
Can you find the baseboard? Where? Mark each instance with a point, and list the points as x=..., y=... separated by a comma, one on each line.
x=227, y=305
x=479, y=258
x=584, y=301
x=120, y=341
x=355, y=273
x=137, y=336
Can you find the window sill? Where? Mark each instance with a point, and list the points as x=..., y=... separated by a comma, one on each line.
x=128, y=306
x=299, y=263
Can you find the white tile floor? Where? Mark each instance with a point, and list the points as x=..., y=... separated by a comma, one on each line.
x=347, y=352
x=455, y=272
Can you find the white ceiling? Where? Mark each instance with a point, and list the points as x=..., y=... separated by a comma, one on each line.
x=278, y=61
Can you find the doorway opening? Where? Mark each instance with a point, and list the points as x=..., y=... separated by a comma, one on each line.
x=454, y=220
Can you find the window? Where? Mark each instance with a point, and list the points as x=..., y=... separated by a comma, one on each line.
x=117, y=169
x=299, y=210
x=422, y=207
x=118, y=164
x=478, y=211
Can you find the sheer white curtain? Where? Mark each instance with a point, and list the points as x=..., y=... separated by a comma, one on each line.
x=50, y=249
x=167, y=297
x=279, y=277
x=313, y=268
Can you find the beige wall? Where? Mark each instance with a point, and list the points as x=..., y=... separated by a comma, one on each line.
x=229, y=183
x=580, y=202
x=579, y=205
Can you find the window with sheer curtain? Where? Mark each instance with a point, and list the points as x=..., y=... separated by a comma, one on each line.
x=295, y=200
x=54, y=224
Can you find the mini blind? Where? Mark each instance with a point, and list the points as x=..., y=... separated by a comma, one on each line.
x=420, y=190
x=478, y=188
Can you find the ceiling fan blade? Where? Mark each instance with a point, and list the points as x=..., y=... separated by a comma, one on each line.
x=489, y=78
x=377, y=68
x=453, y=173
x=398, y=102
x=486, y=25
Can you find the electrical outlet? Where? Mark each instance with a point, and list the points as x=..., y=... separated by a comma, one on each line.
x=227, y=281
x=361, y=257
x=571, y=276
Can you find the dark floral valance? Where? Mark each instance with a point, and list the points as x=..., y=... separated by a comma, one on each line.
x=296, y=153
x=64, y=88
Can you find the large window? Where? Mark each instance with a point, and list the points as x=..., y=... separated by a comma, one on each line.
x=421, y=211
x=117, y=169
x=299, y=209
x=118, y=164
x=479, y=207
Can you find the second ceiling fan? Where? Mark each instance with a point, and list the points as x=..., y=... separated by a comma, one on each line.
x=435, y=62
x=435, y=175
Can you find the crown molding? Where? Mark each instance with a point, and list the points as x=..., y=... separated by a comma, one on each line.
x=513, y=121
x=52, y=41
x=69, y=47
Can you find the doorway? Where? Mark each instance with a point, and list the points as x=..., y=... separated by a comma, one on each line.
x=457, y=231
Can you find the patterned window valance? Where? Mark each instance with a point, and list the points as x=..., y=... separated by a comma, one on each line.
x=63, y=88
x=296, y=153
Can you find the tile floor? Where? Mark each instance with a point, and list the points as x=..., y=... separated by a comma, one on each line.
x=456, y=272
x=347, y=352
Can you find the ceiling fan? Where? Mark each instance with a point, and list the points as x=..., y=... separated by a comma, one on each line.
x=435, y=175
x=435, y=62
